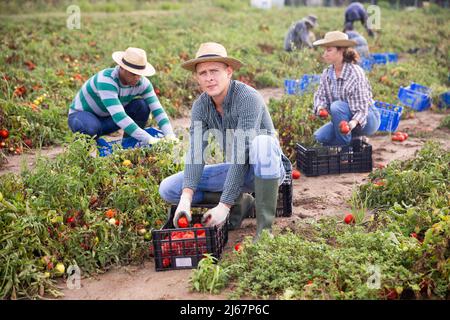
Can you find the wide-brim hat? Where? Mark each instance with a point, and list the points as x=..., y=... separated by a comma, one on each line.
x=335, y=39
x=211, y=52
x=135, y=61
x=312, y=20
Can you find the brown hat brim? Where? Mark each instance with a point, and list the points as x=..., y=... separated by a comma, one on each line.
x=190, y=64
x=147, y=72
x=335, y=43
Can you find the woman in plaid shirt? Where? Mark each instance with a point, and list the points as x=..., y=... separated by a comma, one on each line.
x=344, y=92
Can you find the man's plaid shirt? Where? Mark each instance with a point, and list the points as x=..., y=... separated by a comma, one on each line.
x=245, y=110
x=352, y=87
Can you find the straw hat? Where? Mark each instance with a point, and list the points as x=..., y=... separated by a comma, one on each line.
x=135, y=61
x=335, y=39
x=211, y=52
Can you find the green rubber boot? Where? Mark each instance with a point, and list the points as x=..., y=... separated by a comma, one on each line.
x=244, y=204
x=266, y=195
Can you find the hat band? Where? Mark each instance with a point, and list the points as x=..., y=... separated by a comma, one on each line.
x=135, y=66
x=209, y=55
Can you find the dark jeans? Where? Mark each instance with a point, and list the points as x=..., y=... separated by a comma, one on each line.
x=93, y=125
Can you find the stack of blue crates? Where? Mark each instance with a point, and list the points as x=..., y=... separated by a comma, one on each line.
x=299, y=86
x=415, y=96
x=385, y=57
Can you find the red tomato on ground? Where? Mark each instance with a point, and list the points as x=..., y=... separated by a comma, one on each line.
x=295, y=174
x=349, y=218
x=4, y=133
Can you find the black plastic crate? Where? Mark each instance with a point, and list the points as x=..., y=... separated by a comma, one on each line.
x=186, y=253
x=284, y=202
x=316, y=161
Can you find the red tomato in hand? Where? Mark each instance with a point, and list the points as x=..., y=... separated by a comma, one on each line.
x=183, y=222
x=344, y=127
x=323, y=113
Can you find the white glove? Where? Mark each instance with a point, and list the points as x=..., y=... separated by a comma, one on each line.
x=171, y=137
x=215, y=215
x=183, y=208
x=352, y=124
x=153, y=140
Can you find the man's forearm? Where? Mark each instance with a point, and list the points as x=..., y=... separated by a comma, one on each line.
x=188, y=192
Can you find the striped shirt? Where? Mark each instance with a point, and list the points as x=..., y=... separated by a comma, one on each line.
x=352, y=87
x=105, y=96
x=244, y=109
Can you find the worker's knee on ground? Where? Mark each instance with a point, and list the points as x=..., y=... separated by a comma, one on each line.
x=338, y=107
x=168, y=190
x=91, y=129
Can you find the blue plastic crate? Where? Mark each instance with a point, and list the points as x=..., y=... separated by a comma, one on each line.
x=366, y=63
x=390, y=116
x=300, y=86
x=392, y=57
x=308, y=81
x=415, y=96
x=107, y=147
x=379, y=58
x=444, y=100
x=291, y=86
x=385, y=57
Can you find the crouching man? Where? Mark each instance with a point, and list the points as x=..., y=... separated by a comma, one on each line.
x=255, y=163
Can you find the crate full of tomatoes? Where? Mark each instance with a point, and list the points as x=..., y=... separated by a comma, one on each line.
x=183, y=248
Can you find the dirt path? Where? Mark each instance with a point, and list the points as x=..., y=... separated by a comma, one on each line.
x=14, y=163
x=313, y=197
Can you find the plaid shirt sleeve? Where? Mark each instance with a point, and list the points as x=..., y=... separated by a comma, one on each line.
x=320, y=96
x=359, y=96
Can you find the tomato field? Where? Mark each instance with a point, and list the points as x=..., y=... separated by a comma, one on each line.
x=97, y=213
